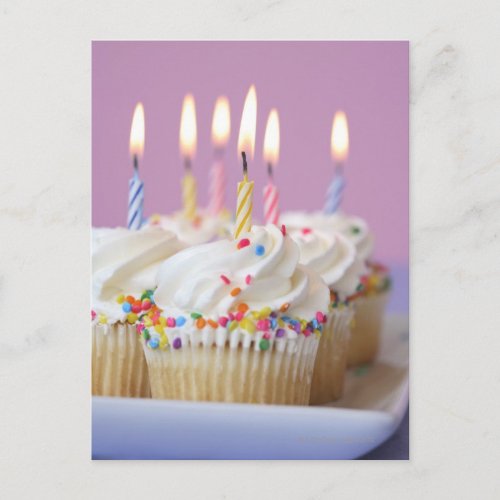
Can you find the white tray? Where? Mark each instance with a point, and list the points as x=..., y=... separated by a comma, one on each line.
x=374, y=403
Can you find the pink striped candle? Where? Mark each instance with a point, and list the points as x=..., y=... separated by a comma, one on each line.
x=271, y=154
x=221, y=125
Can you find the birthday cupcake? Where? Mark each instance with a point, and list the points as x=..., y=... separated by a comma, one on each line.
x=370, y=301
x=124, y=266
x=334, y=257
x=240, y=322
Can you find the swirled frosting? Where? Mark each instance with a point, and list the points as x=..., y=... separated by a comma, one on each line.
x=203, y=229
x=126, y=262
x=191, y=280
x=352, y=227
x=247, y=292
x=331, y=255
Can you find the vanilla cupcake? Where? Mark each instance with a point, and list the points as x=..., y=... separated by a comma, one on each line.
x=335, y=258
x=124, y=268
x=240, y=322
x=202, y=229
x=369, y=302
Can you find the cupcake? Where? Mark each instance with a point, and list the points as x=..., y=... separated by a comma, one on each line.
x=369, y=302
x=202, y=229
x=334, y=257
x=124, y=267
x=240, y=322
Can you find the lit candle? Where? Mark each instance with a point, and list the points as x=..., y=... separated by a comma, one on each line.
x=339, y=145
x=221, y=126
x=271, y=154
x=135, y=185
x=187, y=140
x=246, y=145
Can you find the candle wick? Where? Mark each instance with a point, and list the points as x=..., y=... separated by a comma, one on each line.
x=245, y=166
x=339, y=169
x=187, y=164
x=270, y=170
x=219, y=153
x=136, y=166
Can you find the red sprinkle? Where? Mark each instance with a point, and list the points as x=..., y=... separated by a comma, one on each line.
x=239, y=315
x=320, y=317
x=306, y=230
x=223, y=321
x=225, y=279
x=243, y=243
x=248, y=279
x=283, y=229
x=266, y=335
x=93, y=314
x=171, y=322
x=231, y=316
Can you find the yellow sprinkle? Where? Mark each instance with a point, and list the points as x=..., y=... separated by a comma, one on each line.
x=103, y=319
x=233, y=325
x=131, y=318
x=281, y=323
x=163, y=341
x=159, y=328
x=248, y=325
x=120, y=299
x=147, y=321
x=303, y=323
x=163, y=321
x=264, y=312
x=255, y=314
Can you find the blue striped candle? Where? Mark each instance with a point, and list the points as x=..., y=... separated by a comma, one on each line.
x=135, y=200
x=335, y=193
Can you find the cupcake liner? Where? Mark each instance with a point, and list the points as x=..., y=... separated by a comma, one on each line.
x=366, y=328
x=331, y=360
x=118, y=364
x=208, y=371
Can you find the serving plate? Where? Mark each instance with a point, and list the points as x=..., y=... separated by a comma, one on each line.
x=375, y=400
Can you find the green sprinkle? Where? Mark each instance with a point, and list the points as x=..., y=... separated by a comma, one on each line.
x=359, y=287
x=264, y=345
x=145, y=334
x=195, y=315
x=361, y=370
x=355, y=230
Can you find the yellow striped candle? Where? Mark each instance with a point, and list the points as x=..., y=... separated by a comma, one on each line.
x=246, y=145
x=187, y=139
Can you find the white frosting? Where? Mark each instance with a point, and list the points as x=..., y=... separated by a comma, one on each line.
x=331, y=255
x=354, y=228
x=126, y=262
x=203, y=229
x=191, y=280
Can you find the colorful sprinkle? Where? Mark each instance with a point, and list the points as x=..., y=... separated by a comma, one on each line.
x=171, y=323
x=235, y=291
x=225, y=279
x=248, y=279
x=195, y=315
x=283, y=229
x=239, y=315
x=146, y=305
x=200, y=323
x=266, y=335
x=137, y=307
x=320, y=317
x=280, y=332
x=212, y=323
x=223, y=321
x=180, y=321
x=260, y=250
x=120, y=299
x=248, y=325
x=264, y=344
x=284, y=307
x=243, y=307
x=93, y=314
x=145, y=334
x=130, y=299
x=154, y=343
x=243, y=243
x=177, y=343
x=103, y=319
x=306, y=230
x=132, y=318
x=355, y=229
x=126, y=307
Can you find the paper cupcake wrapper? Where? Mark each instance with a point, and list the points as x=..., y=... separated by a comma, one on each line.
x=366, y=328
x=118, y=364
x=331, y=360
x=234, y=374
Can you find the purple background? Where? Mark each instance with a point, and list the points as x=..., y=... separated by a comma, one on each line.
x=306, y=81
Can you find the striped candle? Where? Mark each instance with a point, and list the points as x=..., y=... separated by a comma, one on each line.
x=335, y=193
x=244, y=204
x=217, y=188
x=189, y=195
x=271, y=204
x=135, y=200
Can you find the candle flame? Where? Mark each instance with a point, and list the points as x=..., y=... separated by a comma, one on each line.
x=221, y=122
x=137, y=131
x=187, y=134
x=340, y=137
x=246, y=138
x=272, y=139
